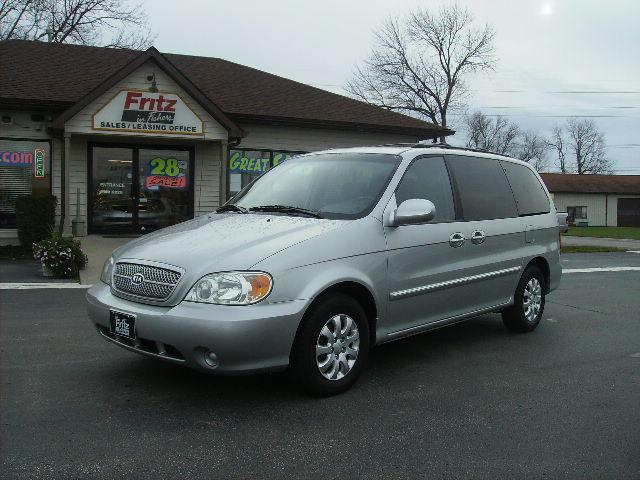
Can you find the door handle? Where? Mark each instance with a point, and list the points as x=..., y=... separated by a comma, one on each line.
x=478, y=237
x=528, y=234
x=456, y=240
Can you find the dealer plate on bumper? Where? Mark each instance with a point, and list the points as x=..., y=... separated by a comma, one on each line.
x=123, y=324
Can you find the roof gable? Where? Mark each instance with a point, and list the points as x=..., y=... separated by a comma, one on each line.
x=151, y=55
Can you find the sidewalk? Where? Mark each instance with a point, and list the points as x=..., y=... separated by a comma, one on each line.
x=602, y=242
x=98, y=250
x=26, y=271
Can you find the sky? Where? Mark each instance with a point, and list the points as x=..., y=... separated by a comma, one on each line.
x=556, y=58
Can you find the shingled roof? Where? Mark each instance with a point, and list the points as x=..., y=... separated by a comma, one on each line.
x=571, y=183
x=55, y=75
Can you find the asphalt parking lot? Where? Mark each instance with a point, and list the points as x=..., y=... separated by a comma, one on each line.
x=468, y=401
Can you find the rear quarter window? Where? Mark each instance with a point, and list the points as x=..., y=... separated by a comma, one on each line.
x=531, y=199
x=482, y=187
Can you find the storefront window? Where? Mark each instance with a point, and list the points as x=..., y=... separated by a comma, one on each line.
x=165, y=182
x=247, y=165
x=139, y=189
x=25, y=168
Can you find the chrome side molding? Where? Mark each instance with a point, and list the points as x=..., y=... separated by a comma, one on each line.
x=410, y=292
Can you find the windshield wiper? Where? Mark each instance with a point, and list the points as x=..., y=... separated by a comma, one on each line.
x=230, y=207
x=286, y=209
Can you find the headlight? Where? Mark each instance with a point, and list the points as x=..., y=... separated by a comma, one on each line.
x=107, y=270
x=231, y=288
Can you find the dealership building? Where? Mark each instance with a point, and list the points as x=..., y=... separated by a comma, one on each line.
x=130, y=141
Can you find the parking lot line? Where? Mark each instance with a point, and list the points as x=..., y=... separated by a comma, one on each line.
x=603, y=269
x=28, y=286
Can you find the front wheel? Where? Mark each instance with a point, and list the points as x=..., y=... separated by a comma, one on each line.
x=528, y=306
x=331, y=346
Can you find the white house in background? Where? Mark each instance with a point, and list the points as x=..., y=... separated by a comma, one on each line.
x=597, y=200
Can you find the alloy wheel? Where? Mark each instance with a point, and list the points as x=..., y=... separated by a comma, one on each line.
x=337, y=347
x=532, y=301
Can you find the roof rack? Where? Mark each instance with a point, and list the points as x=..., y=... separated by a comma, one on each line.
x=429, y=144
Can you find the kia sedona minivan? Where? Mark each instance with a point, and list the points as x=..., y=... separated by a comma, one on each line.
x=334, y=252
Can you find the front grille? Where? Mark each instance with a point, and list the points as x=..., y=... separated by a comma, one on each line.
x=157, y=283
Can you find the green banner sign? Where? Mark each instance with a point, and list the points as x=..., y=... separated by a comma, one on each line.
x=254, y=162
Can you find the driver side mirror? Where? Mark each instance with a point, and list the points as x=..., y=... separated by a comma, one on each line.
x=411, y=212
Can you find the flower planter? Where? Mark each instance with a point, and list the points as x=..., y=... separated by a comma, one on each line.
x=46, y=272
x=59, y=256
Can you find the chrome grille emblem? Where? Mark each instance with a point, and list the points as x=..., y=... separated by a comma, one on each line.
x=139, y=280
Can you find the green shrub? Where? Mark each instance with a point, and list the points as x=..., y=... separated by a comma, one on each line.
x=62, y=255
x=35, y=217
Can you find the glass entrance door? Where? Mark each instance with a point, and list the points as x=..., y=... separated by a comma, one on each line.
x=138, y=190
x=113, y=199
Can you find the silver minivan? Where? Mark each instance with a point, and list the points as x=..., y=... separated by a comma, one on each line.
x=331, y=253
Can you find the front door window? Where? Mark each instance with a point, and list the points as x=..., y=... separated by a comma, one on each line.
x=138, y=190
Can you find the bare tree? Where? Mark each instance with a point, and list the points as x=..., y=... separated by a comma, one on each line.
x=586, y=145
x=109, y=23
x=532, y=148
x=558, y=144
x=419, y=63
x=499, y=135
x=488, y=134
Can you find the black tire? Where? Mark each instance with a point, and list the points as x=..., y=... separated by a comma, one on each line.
x=303, y=356
x=514, y=317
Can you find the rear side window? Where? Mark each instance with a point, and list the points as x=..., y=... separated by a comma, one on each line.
x=482, y=187
x=531, y=199
x=428, y=178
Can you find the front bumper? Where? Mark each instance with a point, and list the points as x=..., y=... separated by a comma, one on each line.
x=244, y=338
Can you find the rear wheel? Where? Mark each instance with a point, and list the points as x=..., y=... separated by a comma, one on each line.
x=528, y=306
x=331, y=346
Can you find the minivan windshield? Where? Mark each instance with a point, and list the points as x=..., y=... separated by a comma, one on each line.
x=324, y=185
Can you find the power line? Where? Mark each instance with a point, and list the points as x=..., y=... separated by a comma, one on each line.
x=601, y=107
x=553, y=92
x=549, y=116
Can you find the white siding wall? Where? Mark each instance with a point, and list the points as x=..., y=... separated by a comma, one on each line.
x=311, y=139
x=207, y=177
x=21, y=125
x=602, y=209
x=595, y=203
x=82, y=122
x=77, y=172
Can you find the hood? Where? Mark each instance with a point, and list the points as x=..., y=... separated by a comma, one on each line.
x=229, y=241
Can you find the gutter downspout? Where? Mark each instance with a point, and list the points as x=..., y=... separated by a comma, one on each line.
x=63, y=162
x=606, y=209
x=64, y=157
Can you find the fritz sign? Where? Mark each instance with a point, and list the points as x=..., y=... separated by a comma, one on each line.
x=146, y=112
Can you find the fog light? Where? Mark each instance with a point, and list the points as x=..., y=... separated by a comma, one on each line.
x=211, y=359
